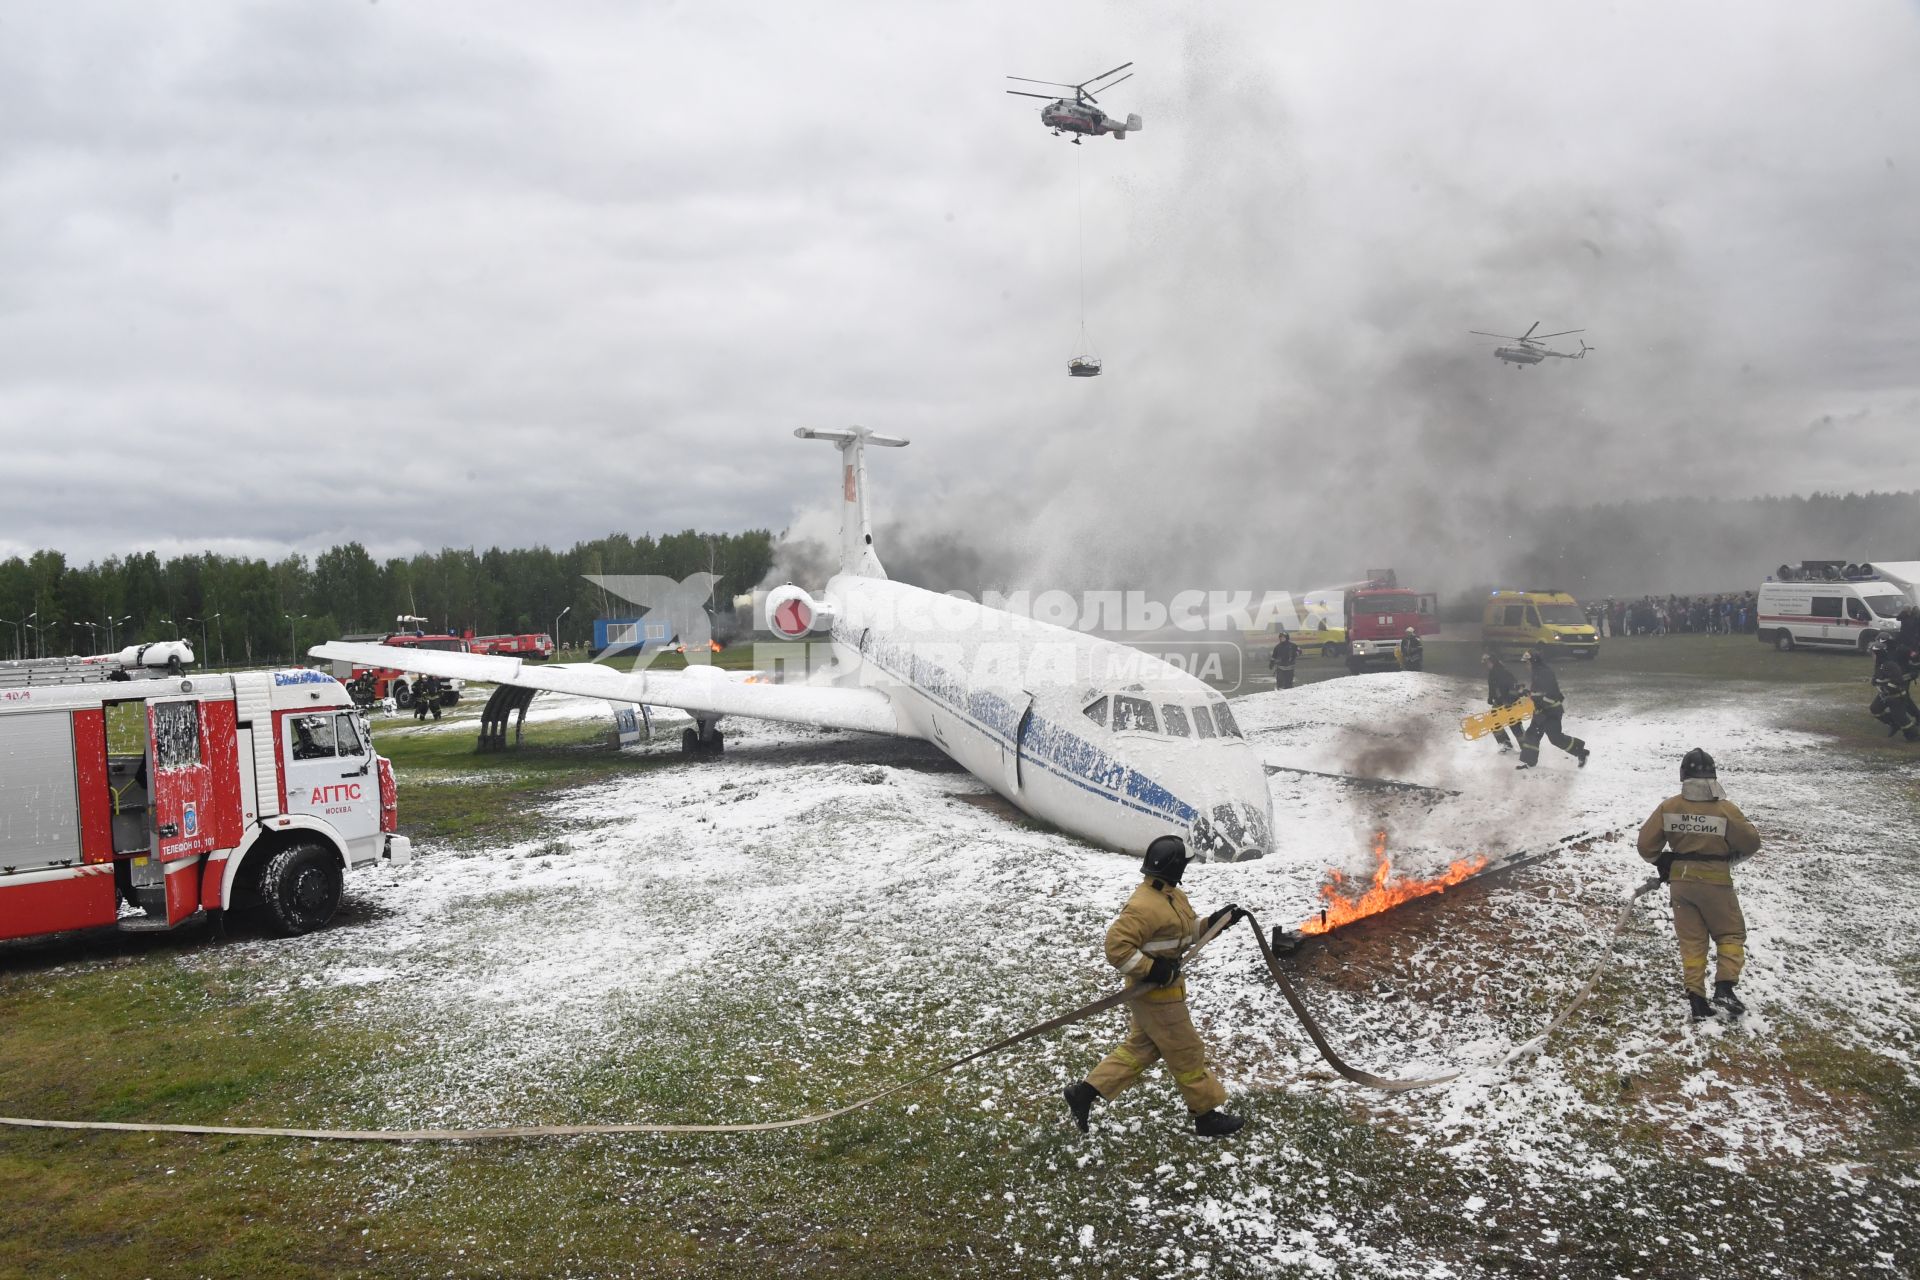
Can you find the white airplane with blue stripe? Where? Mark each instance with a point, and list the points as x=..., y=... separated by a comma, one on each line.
x=1096, y=738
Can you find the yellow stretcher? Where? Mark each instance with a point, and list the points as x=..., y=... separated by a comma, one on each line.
x=1498, y=718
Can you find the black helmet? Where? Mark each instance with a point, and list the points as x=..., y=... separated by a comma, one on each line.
x=1166, y=859
x=1697, y=764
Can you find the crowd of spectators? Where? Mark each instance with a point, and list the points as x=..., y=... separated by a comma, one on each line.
x=1730, y=613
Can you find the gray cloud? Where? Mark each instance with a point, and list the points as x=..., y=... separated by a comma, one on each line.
x=426, y=273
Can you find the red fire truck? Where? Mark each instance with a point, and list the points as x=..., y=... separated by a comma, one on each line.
x=1366, y=621
x=534, y=648
x=371, y=684
x=136, y=799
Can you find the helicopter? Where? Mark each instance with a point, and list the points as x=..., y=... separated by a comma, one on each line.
x=1083, y=115
x=1530, y=350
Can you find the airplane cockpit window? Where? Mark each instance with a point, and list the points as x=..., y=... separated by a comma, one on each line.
x=1202, y=722
x=1224, y=718
x=1133, y=714
x=1176, y=719
x=1096, y=711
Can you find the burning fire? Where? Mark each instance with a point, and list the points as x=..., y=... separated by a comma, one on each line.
x=1385, y=890
x=712, y=644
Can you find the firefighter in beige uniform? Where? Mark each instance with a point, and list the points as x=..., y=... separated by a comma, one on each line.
x=1145, y=943
x=1695, y=838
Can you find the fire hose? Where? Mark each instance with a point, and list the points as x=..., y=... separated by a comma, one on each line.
x=1067, y=1019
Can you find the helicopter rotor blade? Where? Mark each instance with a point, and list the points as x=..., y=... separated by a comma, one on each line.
x=1102, y=76
x=1103, y=88
x=1563, y=333
x=1022, y=93
x=1529, y=333
x=1504, y=336
x=1055, y=83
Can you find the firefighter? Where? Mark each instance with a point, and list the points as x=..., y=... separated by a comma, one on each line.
x=1503, y=690
x=1892, y=703
x=426, y=697
x=1145, y=943
x=1412, y=653
x=1282, y=659
x=1694, y=839
x=1548, y=705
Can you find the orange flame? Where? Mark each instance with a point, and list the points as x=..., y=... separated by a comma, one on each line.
x=711, y=644
x=1384, y=891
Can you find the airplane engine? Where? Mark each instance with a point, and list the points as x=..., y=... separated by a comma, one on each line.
x=792, y=614
x=1133, y=124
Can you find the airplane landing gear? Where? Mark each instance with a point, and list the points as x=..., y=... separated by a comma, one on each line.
x=704, y=739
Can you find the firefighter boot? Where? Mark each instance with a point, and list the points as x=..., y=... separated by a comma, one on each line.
x=1080, y=1099
x=1724, y=999
x=1216, y=1123
x=1698, y=1010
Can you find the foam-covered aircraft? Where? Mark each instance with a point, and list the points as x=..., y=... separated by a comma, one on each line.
x=1097, y=738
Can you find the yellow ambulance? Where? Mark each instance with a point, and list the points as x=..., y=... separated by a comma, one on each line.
x=1551, y=619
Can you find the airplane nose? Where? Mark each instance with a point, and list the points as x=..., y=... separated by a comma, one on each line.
x=1231, y=831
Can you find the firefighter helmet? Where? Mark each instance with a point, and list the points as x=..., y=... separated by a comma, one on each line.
x=1697, y=764
x=1166, y=859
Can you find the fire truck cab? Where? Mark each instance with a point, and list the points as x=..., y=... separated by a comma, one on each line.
x=140, y=800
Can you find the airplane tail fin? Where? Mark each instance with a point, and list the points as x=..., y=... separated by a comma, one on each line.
x=856, y=531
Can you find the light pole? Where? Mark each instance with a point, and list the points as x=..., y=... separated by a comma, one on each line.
x=93, y=633
x=292, y=644
x=203, y=655
x=38, y=648
x=16, y=634
x=556, y=624
x=223, y=637
x=113, y=622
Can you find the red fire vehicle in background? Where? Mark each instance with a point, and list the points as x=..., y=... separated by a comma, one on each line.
x=369, y=685
x=534, y=648
x=182, y=795
x=1366, y=621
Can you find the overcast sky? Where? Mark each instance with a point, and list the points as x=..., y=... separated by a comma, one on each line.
x=420, y=274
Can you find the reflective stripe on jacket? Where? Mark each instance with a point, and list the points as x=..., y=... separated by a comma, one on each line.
x=1704, y=831
x=1157, y=921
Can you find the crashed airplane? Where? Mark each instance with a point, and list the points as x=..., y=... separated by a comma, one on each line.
x=1097, y=738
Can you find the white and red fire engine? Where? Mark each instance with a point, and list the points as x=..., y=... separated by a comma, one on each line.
x=176, y=795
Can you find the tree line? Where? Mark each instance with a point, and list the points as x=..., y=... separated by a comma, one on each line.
x=238, y=611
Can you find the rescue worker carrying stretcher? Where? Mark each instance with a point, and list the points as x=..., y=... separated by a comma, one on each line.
x=1156, y=926
x=1503, y=690
x=1548, y=705
x=1694, y=839
x=1892, y=703
x=1282, y=660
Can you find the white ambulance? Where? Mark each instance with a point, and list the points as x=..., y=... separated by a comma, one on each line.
x=138, y=799
x=1841, y=613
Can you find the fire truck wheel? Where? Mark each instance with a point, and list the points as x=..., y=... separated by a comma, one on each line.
x=1329, y=650
x=402, y=694
x=300, y=886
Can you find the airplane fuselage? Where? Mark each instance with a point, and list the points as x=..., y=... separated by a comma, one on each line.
x=1099, y=739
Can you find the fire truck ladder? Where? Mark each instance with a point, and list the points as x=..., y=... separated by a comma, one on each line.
x=38, y=672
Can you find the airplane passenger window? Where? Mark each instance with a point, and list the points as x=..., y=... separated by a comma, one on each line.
x=1202, y=722
x=1097, y=712
x=1225, y=718
x=1133, y=714
x=1176, y=718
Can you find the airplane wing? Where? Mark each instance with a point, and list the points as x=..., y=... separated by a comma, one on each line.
x=705, y=691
